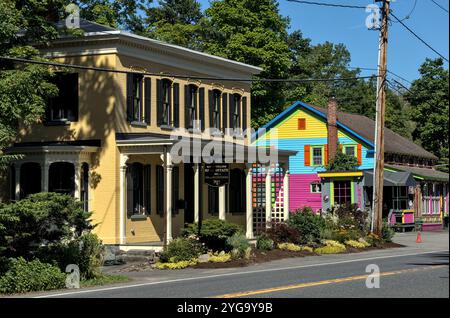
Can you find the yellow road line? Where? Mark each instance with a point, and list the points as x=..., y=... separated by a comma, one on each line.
x=322, y=282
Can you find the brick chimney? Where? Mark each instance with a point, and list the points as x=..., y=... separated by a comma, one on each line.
x=332, y=128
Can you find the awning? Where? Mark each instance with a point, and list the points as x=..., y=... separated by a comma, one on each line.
x=391, y=179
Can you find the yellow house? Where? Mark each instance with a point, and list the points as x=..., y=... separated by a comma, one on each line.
x=109, y=137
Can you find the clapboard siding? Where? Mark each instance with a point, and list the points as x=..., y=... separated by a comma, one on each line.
x=297, y=162
x=300, y=194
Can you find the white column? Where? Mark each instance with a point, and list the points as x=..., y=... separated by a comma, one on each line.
x=168, y=178
x=77, y=167
x=248, y=203
x=286, y=194
x=123, y=198
x=222, y=203
x=268, y=195
x=44, y=176
x=17, y=181
x=196, y=192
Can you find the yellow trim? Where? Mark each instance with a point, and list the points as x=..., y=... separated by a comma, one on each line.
x=340, y=174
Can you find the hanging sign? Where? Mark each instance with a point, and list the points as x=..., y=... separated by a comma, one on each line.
x=217, y=174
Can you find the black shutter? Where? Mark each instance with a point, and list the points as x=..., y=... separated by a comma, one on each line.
x=224, y=111
x=159, y=102
x=129, y=181
x=175, y=187
x=202, y=107
x=72, y=97
x=243, y=191
x=187, y=99
x=232, y=105
x=147, y=187
x=244, y=114
x=130, y=97
x=147, y=99
x=211, y=108
x=160, y=190
x=176, y=105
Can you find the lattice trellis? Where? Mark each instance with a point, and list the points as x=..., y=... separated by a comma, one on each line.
x=259, y=196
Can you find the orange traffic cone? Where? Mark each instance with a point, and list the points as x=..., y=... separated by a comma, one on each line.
x=419, y=238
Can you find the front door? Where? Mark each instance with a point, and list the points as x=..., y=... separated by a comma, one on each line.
x=189, y=193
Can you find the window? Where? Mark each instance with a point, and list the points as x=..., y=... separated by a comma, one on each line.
x=160, y=190
x=236, y=111
x=215, y=111
x=342, y=192
x=138, y=189
x=315, y=187
x=317, y=156
x=84, y=191
x=138, y=99
x=213, y=200
x=30, y=179
x=237, y=191
x=400, y=198
x=175, y=187
x=166, y=102
x=349, y=150
x=191, y=106
x=61, y=178
x=64, y=106
x=301, y=124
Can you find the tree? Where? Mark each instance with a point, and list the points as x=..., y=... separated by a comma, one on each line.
x=252, y=32
x=24, y=88
x=176, y=22
x=428, y=97
x=342, y=162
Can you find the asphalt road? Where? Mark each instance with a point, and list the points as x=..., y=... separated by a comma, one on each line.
x=415, y=270
x=411, y=275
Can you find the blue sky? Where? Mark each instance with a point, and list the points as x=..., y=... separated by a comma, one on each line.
x=347, y=26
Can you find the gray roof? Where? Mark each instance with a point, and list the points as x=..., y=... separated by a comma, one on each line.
x=394, y=143
x=425, y=173
x=391, y=179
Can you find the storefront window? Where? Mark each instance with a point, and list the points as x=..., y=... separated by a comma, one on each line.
x=342, y=192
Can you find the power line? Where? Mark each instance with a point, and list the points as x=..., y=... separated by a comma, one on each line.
x=100, y=69
x=410, y=12
x=418, y=37
x=440, y=6
x=326, y=4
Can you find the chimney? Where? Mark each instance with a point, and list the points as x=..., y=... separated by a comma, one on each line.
x=332, y=128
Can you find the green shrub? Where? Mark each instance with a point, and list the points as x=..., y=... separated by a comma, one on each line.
x=239, y=244
x=85, y=251
x=181, y=249
x=351, y=218
x=221, y=257
x=329, y=249
x=282, y=233
x=214, y=233
x=38, y=220
x=175, y=265
x=307, y=224
x=24, y=276
x=387, y=232
x=264, y=242
x=289, y=247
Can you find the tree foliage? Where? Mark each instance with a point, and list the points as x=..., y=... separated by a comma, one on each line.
x=342, y=162
x=428, y=97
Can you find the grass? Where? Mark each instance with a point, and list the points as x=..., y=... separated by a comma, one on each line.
x=104, y=280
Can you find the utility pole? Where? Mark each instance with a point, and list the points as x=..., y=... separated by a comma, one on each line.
x=378, y=179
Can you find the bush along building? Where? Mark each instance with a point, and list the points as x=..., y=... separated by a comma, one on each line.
x=107, y=139
x=414, y=192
